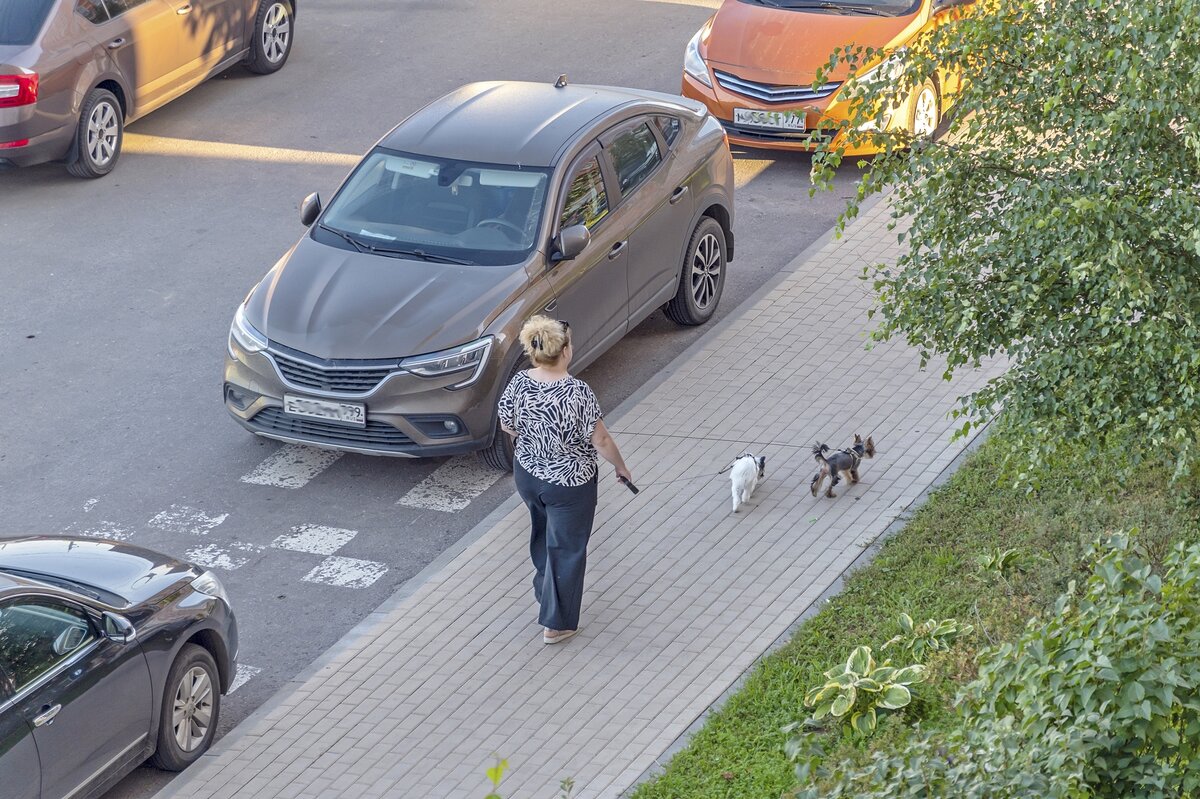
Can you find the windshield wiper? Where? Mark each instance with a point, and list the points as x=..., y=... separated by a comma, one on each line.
x=841, y=8
x=419, y=254
x=358, y=245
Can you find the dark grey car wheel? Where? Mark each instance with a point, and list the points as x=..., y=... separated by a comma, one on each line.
x=273, y=33
x=500, y=455
x=703, y=276
x=190, y=709
x=98, y=137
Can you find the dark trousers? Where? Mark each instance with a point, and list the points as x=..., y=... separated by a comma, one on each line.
x=561, y=520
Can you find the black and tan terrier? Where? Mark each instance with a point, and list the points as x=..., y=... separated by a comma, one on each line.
x=842, y=461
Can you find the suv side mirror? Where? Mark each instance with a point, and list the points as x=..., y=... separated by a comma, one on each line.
x=946, y=5
x=119, y=629
x=310, y=209
x=570, y=242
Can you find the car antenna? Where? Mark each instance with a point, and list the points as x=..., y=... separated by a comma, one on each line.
x=561, y=82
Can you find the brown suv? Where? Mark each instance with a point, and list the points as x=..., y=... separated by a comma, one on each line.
x=74, y=72
x=389, y=328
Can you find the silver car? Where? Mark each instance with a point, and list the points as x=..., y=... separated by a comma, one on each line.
x=389, y=328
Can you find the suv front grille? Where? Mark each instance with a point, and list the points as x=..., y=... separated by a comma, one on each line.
x=376, y=435
x=341, y=377
x=772, y=93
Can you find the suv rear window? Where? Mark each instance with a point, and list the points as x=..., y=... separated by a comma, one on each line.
x=20, y=20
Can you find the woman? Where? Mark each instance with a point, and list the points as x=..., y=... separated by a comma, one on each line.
x=555, y=419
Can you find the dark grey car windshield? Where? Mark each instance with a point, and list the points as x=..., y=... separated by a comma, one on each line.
x=482, y=213
x=20, y=20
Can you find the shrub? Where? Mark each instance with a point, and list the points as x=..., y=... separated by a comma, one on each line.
x=931, y=636
x=1101, y=700
x=858, y=688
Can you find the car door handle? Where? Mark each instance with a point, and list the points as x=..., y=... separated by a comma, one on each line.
x=183, y=10
x=678, y=194
x=116, y=44
x=552, y=306
x=617, y=249
x=46, y=716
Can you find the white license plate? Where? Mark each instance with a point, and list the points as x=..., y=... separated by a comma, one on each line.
x=776, y=120
x=348, y=412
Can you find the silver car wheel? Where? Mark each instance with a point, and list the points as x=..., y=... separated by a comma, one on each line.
x=706, y=270
x=925, y=114
x=192, y=711
x=103, y=128
x=277, y=29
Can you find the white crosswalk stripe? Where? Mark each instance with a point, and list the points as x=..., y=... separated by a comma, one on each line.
x=182, y=519
x=103, y=529
x=346, y=572
x=242, y=676
x=314, y=538
x=452, y=485
x=291, y=466
x=228, y=558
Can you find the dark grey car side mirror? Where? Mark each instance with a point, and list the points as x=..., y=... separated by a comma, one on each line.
x=118, y=629
x=946, y=5
x=570, y=242
x=310, y=209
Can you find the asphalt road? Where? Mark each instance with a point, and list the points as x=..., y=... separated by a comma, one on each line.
x=117, y=296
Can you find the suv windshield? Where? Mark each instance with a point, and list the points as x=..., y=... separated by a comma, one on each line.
x=20, y=20
x=396, y=203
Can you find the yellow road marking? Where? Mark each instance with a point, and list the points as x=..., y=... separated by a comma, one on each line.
x=747, y=169
x=744, y=169
x=190, y=148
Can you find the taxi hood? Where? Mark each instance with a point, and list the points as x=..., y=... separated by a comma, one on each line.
x=786, y=46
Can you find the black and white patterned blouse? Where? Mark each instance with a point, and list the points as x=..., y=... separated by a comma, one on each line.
x=554, y=423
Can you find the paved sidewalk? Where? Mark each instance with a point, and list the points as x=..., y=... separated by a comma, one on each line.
x=682, y=595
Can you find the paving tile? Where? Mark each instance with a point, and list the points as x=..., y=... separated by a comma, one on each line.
x=681, y=594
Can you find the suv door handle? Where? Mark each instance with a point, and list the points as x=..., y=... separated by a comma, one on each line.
x=46, y=716
x=551, y=306
x=116, y=43
x=617, y=249
x=678, y=194
x=183, y=10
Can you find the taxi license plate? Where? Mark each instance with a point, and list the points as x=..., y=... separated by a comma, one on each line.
x=354, y=413
x=776, y=120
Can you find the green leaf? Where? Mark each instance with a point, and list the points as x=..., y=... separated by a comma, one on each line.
x=864, y=723
x=841, y=706
x=860, y=661
x=906, y=623
x=496, y=772
x=896, y=696
x=909, y=674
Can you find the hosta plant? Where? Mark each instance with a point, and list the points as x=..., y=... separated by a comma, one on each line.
x=916, y=641
x=857, y=689
x=1001, y=562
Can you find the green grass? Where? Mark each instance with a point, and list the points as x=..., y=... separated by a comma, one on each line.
x=929, y=570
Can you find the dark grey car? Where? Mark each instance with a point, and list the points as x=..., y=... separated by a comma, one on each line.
x=74, y=72
x=389, y=328
x=109, y=654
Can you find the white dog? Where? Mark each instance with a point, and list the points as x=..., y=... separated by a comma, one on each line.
x=745, y=475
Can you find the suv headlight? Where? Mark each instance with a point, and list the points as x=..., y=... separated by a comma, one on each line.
x=244, y=334
x=210, y=585
x=693, y=64
x=469, y=359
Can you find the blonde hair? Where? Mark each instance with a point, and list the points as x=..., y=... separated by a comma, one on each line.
x=544, y=340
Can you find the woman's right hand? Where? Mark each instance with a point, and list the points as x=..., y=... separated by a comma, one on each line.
x=623, y=472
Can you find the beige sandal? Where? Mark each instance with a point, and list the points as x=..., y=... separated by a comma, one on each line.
x=555, y=636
